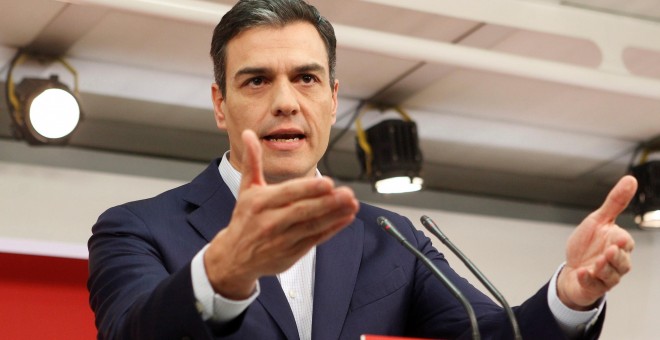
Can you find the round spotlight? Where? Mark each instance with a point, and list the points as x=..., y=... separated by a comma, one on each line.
x=50, y=111
x=54, y=113
x=649, y=220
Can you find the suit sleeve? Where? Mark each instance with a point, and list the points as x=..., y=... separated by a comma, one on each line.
x=132, y=292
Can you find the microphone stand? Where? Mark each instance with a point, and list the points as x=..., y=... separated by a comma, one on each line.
x=433, y=228
x=391, y=229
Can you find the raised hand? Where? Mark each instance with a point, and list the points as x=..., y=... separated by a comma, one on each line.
x=598, y=251
x=272, y=226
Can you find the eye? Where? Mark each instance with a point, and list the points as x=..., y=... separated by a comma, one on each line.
x=256, y=81
x=308, y=78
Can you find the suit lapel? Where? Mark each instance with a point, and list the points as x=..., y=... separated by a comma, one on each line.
x=273, y=300
x=337, y=266
x=214, y=200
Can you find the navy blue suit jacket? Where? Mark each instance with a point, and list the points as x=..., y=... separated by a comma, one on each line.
x=365, y=282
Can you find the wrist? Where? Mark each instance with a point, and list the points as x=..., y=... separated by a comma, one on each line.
x=227, y=279
x=565, y=296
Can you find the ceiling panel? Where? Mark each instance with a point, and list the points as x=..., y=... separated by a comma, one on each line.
x=551, y=47
x=354, y=73
x=148, y=42
x=539, y=45
x=642, y=62
x=389, y=19
x=23, y=20
x=648, y=9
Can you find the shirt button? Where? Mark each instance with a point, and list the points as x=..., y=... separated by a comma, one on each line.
x=292, y=294
x=200, y=307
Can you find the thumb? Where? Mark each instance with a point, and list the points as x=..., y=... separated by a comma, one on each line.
x=617, y=200
x=251, y=164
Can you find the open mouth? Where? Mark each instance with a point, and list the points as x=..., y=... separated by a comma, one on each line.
x=284, y=138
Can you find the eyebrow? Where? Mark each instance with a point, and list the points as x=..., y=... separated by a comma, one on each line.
x=313, y=67
x=250, y=71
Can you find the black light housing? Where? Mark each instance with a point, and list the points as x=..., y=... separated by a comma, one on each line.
x=43, y=111
x=390, y=155
x=646, y=203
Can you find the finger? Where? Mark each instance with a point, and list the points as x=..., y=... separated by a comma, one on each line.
x=323, y=235
x=295, y=242
x=606, y=274
x=293, y=191
x=590, y=283
x=617, y=200
x=334, y=219
x=277, y=196
x=619, y=260
x=623, y=240
x=312, y=214
x=251, y=164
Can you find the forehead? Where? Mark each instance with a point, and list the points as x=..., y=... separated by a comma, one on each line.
x=264, y=46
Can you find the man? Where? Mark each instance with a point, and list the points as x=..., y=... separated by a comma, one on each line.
x=260, y=246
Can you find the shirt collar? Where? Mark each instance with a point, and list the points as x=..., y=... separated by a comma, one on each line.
x=232, y=177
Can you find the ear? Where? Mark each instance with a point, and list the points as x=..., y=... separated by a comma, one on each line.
x=335, y=90
x=219, y=107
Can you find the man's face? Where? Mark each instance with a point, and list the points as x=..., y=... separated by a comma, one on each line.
x=278, y=86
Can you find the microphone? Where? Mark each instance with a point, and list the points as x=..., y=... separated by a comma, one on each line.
x=433, y=228
x=391, y=229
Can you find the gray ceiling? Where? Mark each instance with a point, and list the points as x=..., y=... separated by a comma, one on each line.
x=536, y=100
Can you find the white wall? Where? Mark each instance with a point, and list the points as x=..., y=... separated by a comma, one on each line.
x=48, y=209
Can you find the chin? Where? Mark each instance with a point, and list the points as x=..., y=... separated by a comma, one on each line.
x=280, y=174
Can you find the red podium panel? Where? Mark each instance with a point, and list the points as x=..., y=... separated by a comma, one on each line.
x=386, y=337
x=44, y=297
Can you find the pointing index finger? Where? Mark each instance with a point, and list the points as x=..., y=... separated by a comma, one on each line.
x=252, y=167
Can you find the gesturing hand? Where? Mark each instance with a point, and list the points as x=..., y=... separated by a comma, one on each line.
x=598, y=251
x=272, y=226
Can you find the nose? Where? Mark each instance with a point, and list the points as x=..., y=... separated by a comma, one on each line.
x=285, y=100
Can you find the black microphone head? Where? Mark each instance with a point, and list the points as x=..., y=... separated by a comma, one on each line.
x=428, y=223
x=425, y=219
x=389, y=227
x=382, y=221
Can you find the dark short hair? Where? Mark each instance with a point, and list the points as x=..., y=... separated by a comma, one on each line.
x=248, y=14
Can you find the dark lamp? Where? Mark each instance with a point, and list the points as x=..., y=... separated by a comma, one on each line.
x=646, y=202
x=392, y=159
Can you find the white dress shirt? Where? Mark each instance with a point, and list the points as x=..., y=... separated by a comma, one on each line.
x=298, y=286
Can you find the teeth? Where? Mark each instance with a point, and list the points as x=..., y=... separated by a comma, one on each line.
x=285, y=140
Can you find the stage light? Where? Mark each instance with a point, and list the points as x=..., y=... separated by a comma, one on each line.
x=43, y=111
x=646, y=202
x=390, y=156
